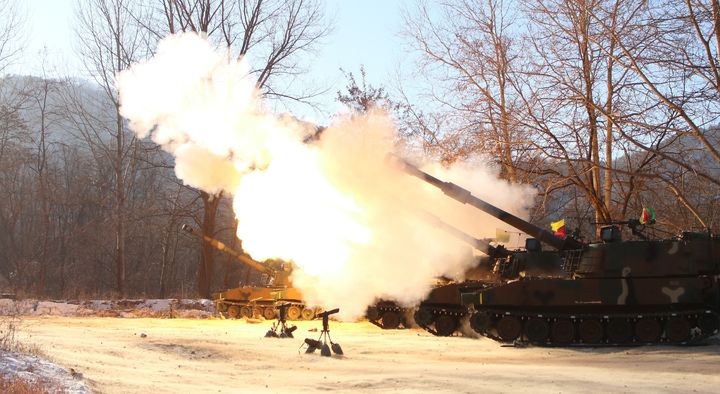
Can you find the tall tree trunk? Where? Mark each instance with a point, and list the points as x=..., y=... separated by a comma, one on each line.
x=119, y=209
x=505, y=123
x=43, y=195
x=609, y=136
x=594, y=154
x=207, y=257
x=165, y=257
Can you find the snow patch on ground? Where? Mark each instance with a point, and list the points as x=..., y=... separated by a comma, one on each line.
x=185, y=308
x=36, y=370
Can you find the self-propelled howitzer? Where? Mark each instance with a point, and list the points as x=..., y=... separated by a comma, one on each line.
x=608, y=292
x=256, y=301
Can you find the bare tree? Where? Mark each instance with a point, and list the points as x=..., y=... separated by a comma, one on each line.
x=110, y=42
x=42, y=94
x=470, y=49
x=13, y=139
x=554, y=90
x=13, y=161
x=12, y=34
x=273, y=34
x=571, y=57
x=677, y=63
x=533, y=107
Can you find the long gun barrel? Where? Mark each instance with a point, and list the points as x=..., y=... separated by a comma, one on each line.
x=464, y=196
x=479, y=244
x=241, y=257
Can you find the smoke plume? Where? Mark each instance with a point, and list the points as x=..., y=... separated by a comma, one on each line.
x=352, y=223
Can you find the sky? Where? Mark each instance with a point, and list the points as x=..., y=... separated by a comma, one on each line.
x=49, y=30
x=365, y=33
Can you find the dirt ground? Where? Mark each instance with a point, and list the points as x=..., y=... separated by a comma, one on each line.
x=221, y=356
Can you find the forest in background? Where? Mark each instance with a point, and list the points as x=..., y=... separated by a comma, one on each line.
x=604, y=106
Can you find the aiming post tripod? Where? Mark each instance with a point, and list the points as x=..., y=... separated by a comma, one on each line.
x=280, y=329
x=322, y=342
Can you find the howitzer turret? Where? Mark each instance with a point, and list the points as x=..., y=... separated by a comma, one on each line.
x=256, y=301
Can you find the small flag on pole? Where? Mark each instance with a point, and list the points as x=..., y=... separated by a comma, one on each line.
x=647, y=216
x=502, y=235
x=559, y=228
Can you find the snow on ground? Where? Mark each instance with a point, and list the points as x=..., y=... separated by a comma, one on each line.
x=190, y=308
x=34, y=369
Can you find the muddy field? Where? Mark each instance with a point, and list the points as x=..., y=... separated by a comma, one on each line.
x=116, y=355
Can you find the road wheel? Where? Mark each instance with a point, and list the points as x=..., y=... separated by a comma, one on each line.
x=509, y=328
x=648, y=330
x=233, y=311
x=390, y=320
x=446, y=325
x=562, y=331
x=246, y=311
x=708, y=323
x=677, y=329
x=293, y=312
x=481, y=322
x=308, y=313
x=424, y=317
x=269, y=313
x=591, y=331
x=619, y=331
x=257, y=312
x=372, y=313
x=537, y=330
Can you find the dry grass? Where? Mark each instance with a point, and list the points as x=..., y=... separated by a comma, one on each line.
x=8, y=331
x=9, y=326
x=18, y=386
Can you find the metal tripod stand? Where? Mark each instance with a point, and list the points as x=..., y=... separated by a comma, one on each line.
x=280, y=329
x=322, y=342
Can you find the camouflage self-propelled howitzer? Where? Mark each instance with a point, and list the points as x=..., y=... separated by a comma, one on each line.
x=610, y=292
x=256, y=301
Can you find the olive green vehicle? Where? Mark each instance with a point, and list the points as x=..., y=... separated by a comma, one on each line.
x=258, y=301
x=609, y=292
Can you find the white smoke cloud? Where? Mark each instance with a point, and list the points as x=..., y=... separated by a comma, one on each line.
x=348, y=220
